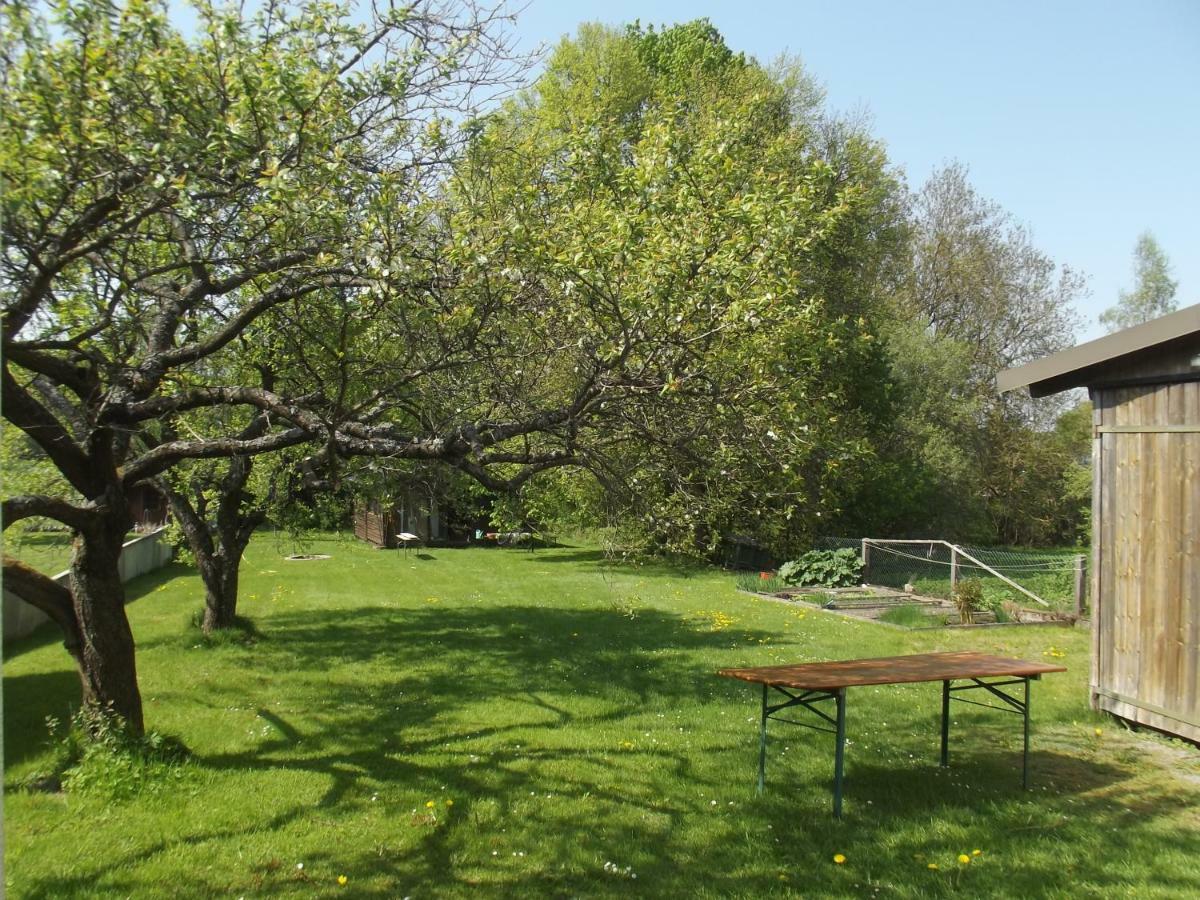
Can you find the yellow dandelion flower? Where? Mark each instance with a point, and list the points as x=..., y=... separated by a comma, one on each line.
x=839, y=858
x=429, y=804
x=449, y=802
x=342, y=879
x=963, y=858
x=976, y=852
x=932, y=866
x=1099, y=732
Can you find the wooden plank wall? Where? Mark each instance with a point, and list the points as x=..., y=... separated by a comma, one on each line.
x=1146, y=563
x=374, y=527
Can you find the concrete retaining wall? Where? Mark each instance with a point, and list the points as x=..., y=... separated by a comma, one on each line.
x=143, y=554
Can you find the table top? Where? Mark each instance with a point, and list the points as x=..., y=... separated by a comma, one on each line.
x=891, y=670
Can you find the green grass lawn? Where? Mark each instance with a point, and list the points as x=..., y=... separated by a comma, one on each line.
x=46, y=551
x=489, y=722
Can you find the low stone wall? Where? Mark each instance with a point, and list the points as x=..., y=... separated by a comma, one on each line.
x=143, y=554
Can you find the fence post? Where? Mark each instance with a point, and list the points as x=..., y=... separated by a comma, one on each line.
x=1080, y=584
x=953, y=569
x=866, y=549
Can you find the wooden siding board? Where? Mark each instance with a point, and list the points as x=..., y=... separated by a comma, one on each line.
x=1189, y=578
x=1106, y=624
x=1158, y=597
x=1175, y=447
x=1177, y=502
x=1099, y=553
x=1125, y=454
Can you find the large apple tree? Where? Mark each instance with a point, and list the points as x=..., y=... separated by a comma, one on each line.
x=169, y=196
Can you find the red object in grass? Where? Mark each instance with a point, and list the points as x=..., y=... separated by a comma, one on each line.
x=766, y=575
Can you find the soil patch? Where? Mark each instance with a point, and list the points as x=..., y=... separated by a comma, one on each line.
x=873, y=602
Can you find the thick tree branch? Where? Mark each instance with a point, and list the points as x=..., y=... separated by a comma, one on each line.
x=480, y=473
x=165, y=359
x=65, y=371
x=27, y=506
x=46, y=594
x=22, y=410
x=65, y=249
x=201, y=398
x=189, y=520
x=162, y=457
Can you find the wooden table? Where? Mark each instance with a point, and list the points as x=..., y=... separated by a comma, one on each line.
x=407, y=539
x=807, y=684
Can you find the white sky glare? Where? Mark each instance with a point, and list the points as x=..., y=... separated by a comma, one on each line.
x=1082, y=119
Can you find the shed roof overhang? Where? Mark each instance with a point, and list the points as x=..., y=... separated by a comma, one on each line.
x=1087, y=363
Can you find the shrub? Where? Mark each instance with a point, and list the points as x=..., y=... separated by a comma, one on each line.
x=823, y=568
x=95, y=754
x=968, y=597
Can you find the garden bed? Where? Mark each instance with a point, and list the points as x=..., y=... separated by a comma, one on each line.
x=908, y=610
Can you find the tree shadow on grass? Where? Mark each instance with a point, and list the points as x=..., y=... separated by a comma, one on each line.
x=656, y=567
x=543, y=665
x=404, y=729
x=120, y=876
x=558, y=673
x=503, y=709
x=28, y=700
x=433, y=662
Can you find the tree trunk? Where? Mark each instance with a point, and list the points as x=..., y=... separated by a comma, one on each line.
x=218, y=546
x=220, y=576
x=218, y=543
x=105, y=655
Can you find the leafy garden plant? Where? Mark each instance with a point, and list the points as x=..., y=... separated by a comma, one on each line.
x=823, y=568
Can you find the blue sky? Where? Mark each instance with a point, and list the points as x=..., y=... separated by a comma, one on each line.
x=1082, y=119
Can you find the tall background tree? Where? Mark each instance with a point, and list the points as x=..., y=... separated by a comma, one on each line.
x=704, y=249
x=1153, y=294
x=975, y=296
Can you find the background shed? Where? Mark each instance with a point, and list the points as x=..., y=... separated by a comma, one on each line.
x=409, y=510
x=1144, y=383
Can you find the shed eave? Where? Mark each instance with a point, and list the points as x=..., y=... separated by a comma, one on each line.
x=1073, y=367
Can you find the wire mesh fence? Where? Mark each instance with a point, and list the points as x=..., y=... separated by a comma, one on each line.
x=931, y=567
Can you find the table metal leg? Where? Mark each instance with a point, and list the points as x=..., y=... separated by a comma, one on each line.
x=1014, y=704
x=1025, y=756
x=809, y=700
x=840, y=752
x=946, y=723
x=762, y=744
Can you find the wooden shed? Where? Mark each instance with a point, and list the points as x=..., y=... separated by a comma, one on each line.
x=412, y=511
x=1144, y=383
